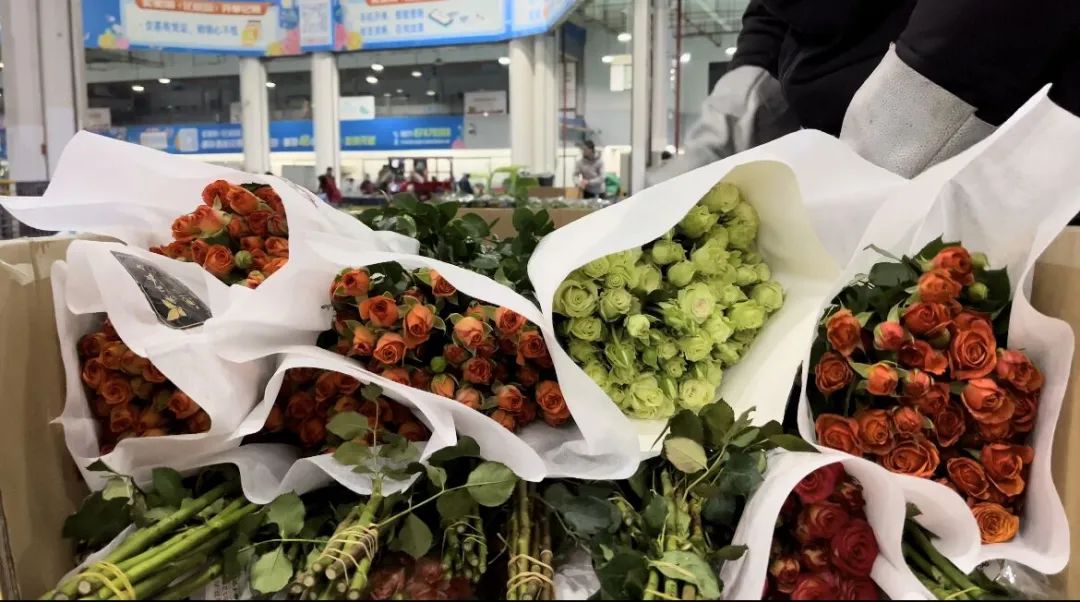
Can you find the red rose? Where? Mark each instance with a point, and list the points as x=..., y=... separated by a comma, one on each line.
x=994, y=433
x=487, y=348
x=819, y=484
x=326, y=386
x=1015, y=367
x=916, y=457
x=469, y=332
x=259, y=258
x=116, y=390
x=917, y=383
x=531, y=345
x=527, y=375
x=1005, y=465
x=1027, y=408
x=508, y=321
x=785, y=570
x=875, y=431
x=439, y=285
x=477, y=370
x=814, y=558
x=271, y=198
x=421, y=378
x=381, y=311
x=926, y=319
x=919, y=354
x=275, y=421
x=969, y=477
x=528, y=414
x=907, y=420
x=933, y=401
x=94, y=373
x=313, y=432
x=182, y=406
x=363, y=342
x=838, y=432
x=973, y=352
x=949, y=425
x=390, y=349
x=414, y=431
x=819, y=586
x=215, y=192
x=252, y=243
x=889, y=336
x=881, y=379
x=987, y=402
x=299, y=406
x=238, y=228
x=850, y=496
x=957, y=261
x=854, y=548
x=858, y=588
x=259, y=222
x=470, y=397
x=823, y=519
x=844, y=332
x=443, y=384
x=346, y=385
x=832, y=373
x=552, y=403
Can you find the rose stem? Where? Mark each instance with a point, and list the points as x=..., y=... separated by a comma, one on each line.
x=671, y=587
x=511, y=568
x=359, y=580
x=931, y=572
x=947, y=568
x=651, y=585
x=187, y=587
x=532, y=590
x=524, y=529
x=366, y=518
x=150, y=586
x=333, y=544
x=689, y=592
x=546, y=555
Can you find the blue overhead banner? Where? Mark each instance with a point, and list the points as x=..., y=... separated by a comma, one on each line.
x=291, y=27
x=379, y=134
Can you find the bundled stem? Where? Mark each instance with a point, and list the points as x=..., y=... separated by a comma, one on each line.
x=530, y=575
x=343, y=564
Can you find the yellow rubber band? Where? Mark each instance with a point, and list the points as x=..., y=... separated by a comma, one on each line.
x=367, y=537
x=126, y=591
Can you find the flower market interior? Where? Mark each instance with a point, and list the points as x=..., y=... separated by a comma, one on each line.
x=539, y=299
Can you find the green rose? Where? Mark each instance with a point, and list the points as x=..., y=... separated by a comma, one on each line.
x=714, y=372
x=735, y=258
x=763, y=272
x=598, y=372
x=697, y=301
x=649, y=278
x=721, y=198
x=620, y=353
x=618, y=395
x=698, y=221
x=627, y=258
x=724, y=276
x=637, y=326
x=582, y=351
x=730, y=352
x=621, y=275
x=730, y=295
x=709, y=259
x=666, y=252
x=743, y=227
x=695, y=347
x=718, y=328
x=674, y=367
x=746, y=315
x=587, y=329
x=745, y=337
x=718, y=235
x=768, y=295
x=674, y=317
x=752, y=258
x=665, y=346
x=615, y=302
x=668, y=386
x=695, y=394
x=647, y=400
x=745, y=275
x=649, y=358
x=623, y=376
x=596, y=268
x=576, y=298
x=680, y=274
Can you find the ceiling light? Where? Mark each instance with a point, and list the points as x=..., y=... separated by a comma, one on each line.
x=504, y=60
x=625, y=37
x=137, y=88
x=607, y=58
x=386, y=94
x=1, y=64
x=376, y=67
x=399, y=91
x=730, y=50
x=486, y=113
x=685, y=58
x=164, y=80
x=271, y=85
x=671, y=71
x=431, y=92
x=416, y=74
x=371, y=79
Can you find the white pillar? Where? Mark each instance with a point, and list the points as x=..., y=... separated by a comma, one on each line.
x=661, y=69
x=544, y=99
x=43, y=59
x=521, y=102
x=325, y=93
x=254, y=115
x=640, y=94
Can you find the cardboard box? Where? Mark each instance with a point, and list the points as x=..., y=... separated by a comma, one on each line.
x=505, y=226
x=40, y=487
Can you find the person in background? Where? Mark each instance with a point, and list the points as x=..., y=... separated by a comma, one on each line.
x=464, y=185
x=349, y=188
x=385, y=177
x=589, y=172
x=328, y=186
x=367, y=187
x=419, y=174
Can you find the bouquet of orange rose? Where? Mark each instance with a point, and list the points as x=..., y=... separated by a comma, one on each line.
x=415, y=328
x=129, y=396
x=912, y=370
x=239, y=234
x=823, y=548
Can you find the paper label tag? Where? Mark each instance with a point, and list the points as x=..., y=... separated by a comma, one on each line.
x=226, y=589
x=173, y=302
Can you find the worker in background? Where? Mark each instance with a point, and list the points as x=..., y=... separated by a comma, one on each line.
x=367, y=187
x=328, y=186
x=589, y=172
x=906, y=83
x=464, y=185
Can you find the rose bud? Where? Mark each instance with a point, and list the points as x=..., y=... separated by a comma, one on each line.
x=1004, y=466
x=875, y=431
x=785, y=569
x=907, y=420
x=531, y=345
x=469, y=332
x=326, y=385
x=889, y=336
x=814, y=558
x=849, y=494
x=881, y=379
x=844, y=332
x=823, y=519
x=312, y=432
x=439, y=286
x=527, y=375
x=390, y=349
x=987, y=402
x=381, y=311
x=121, y=418
x=917, y=383
x=300, y=406
x=275, y=421
x=277, y=246
x=955, y=260
x=113, y=354
x=832, y=373
x=363, y=342
x=505, y=419
x=397, y=374
x=819, y=484
x=996, y=524
x=242, y=260
x=854, y=548
x=478, y=311
x=354, y=282
x=838, y=432
x=916, y=457
x=184, y=228
x=509, y=398
x=238, y=200
x=819, y=586
x=455, y=354
x=116, y=390
x=938, y=286
x=1015, y=367
x=90, y=345
x=414, y=431
x=444, y=385
x=858, y=588
x=508, y=321
x=418, y=324
x=477, y=370
x=437, y=364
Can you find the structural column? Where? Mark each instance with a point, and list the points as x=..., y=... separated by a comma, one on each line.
x=545, y=69
x=661, y=66
x=640, y=96
x=325, y=93
x=254, y=115
x=522, y=109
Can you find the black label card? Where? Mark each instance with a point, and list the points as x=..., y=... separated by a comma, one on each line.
x=174, y=303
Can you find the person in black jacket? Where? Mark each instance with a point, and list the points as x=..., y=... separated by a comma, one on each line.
x=907, y=83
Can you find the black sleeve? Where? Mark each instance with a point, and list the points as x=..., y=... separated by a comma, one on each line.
x=760, y=39
x=993, y=54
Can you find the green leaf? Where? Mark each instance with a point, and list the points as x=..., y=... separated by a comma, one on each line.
x=655, y=513
x=890, y=275
x=466, y=447
x=792, y=443
x=99, y=466
x=448, y=210
x=168, y=485
x=414, y=538
x=118, y=488
x=729, y=553
x=436, y=475
x=97, y=521
x=454, y=505
x=687, y=424
x=352, y=453
x=588, y=516
x=522, y=219
x=720, y=510
x=237, y=556
x=491, y=483
x=690, y=568
x=287, y=512
x=685, y=454
x=638, y=482
x=769, y=429
x=718, y=418
x=746, y=437
x=371, y=392
x=624, y=575
x=348, y=425
x=740, y=475
x=271, y=572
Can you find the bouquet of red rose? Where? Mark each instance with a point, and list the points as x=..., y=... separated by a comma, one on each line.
x=415, y=328
x=239, y=234
x=912, y=370
x=823, y=548
x=129, y=396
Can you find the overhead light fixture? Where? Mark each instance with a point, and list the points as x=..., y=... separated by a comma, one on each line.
x=504, y=60
x=137, y=88
x=164, y=80
x=1, y=64
x=486, y=113
x=399, y=91
x=431, y=92
x=685, y=58
x=371, y=79
x=730, y=50
x=672, y=71
x=607, y=58
x=625, y=37
x=416, y=74
x=271, y=85
x=376, y=67
x=386, y=94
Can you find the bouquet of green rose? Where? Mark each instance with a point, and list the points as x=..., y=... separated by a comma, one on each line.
x=655, y=326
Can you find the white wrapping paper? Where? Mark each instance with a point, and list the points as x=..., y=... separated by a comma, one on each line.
x=1008, y=197
x=813, y=196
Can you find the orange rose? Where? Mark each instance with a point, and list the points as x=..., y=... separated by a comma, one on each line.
x=889, y=336
x=133, y=364
x=300, y=376
x=113, y=354
x=881, y=379
x=381, y=311
x=277, y=225
x=1027, y=409
x=470, y=397
x=838, y=432
x=363, y=342
x=269, y=196
x=199, y=249
x=505, y=419
x=938, y=286
x=994, y=433
x=299, y=406
x=1015, y=367
x=326, y=386
x=219, y=261
x=510, y=399
x=916, y=457
x=208, y=220
x=488, y=347
x=531, y=345
x=926, y=319
x=275, y=421
x=277, y=246
x=252, y=243
x=439, y=286
x=149, y=418
x=90, y=345
x=346, y=385
x=844, y=332
x=352, y=283
x=469, y=332
x=907, y=420
x=455, y=354
x=199, y=423
x=116, y=390
x=100, y=407
x=508, y=321
x=312, y=432
x=528, y=414
x=94, y=373
x=238, y=228
x=182, y=406
x=987, y=402
x=121, y=418
x=184, y=228
x=420, y=378
x=1005, y=466
x=917, y=383
x=957, y=262
x=949, y=425
x=443, y=384
x=414, y=431
x=832, y=373
x=215, y=192
x=919, y=354
x=969, y=477
x=477, y=370
x=996, y=524
x=141, y=388
x=933, y=401
x=274, y=265
x=973, y=352
x=390, y=349
x=398, y=375
x=179, y=250
x=418, y=323
x=527, y=375
x=346, y=403
x=478, y=311
x=240, y=201
x=964, y=319
x=259, y=222
x=875, y=432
